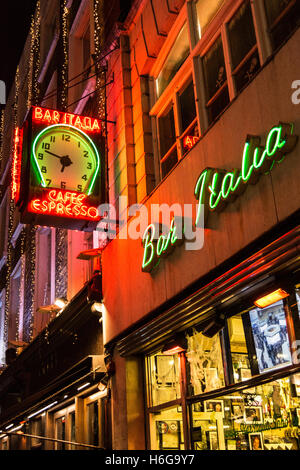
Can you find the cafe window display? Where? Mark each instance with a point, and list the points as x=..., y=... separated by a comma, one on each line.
x=185, y=409
x=259, y=418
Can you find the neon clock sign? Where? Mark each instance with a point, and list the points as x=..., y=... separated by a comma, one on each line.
x=62, y=174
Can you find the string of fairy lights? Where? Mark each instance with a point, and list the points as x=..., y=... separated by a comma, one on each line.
x=27, y=284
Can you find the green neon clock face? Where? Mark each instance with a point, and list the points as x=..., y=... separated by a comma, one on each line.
x=65, y=157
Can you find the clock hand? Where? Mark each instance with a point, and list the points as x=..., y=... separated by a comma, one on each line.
x=54, y=154
x=65, y=161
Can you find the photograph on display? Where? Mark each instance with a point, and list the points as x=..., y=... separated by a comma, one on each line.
x=253, y=414
x=237, y=411
x=270, y=337
x=213, y=440
x=214, y=405
x=256, y=441
x=169, y=434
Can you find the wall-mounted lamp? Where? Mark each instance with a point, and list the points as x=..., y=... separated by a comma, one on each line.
x=271, y=298
x=97, y=307
x=174, y=346
x=214, y=326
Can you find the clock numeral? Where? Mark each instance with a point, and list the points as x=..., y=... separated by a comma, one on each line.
x=66, y=137
x=46, y=146
x=78, y=143
x=85, y=153
x=52, y=138
x=84, y=177
x=48, y=181
x=40, y=156
x=89, y=166
x=44, y=169
x=79, y=187
x=63, y=184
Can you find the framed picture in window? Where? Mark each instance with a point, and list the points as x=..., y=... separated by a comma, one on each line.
x=169, y=434
x=253, y=414
x=256, y=441
x=212, y=380
x=166, y=370
x=214, y=405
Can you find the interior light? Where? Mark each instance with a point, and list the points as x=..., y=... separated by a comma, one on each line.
x=271, y=298
x=83, y=386
x=42, y=409
x=61, y=302
x=9, y=426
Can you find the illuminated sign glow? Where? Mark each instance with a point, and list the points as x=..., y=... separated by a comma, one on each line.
x=50, y=116
x=215, y=188
x=189, y=141
x=64, y=204
x=16, y=164
x=157, y=246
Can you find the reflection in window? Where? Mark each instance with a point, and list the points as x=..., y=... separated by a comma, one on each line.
x=206, y=10
x=217, y=96
x=205, y=363
x=166, y=430
x=174, y=61
x=298, y=299
x=283, y=18
x=238, y=347
x=261, y=418
x=271, y=340
x=242, y=39
x=163, y=379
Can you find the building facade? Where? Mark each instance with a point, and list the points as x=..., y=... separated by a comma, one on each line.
x=201, y=328
x=206, y=125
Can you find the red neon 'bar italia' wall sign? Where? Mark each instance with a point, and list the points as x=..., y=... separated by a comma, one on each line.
x=51, y=116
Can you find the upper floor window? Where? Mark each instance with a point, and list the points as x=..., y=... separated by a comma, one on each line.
x=283, y=18
x=217, y=96
x=243, y=47
x=174, y=61
x=206, y=11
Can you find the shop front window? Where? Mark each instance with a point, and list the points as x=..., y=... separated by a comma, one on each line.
x=166, y=430
x=174, y=61
x=283, y=18
x=243, y=47
x=93, y=423
x=263, y=417
x=60, y=427
x=204, y=358
x=163, y=378
x=217, y=96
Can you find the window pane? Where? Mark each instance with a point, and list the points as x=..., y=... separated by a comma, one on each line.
x=239, y=351
x=206, y=10
x=264, y=417
x=205, y=363
x=169, y=162
x=163, y=379
x=60, y=432
x=270, y=337
x=166, y=430
x=241, y=34
x=247, y=71
x=167, y=135
x=217, y=106
x=298, y=299
x=93, y=424
x=214, y=69
x=174, y=61
x=187, y=106
x=283, y=18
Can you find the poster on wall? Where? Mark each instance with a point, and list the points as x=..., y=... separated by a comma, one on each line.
x=270, y=335
x=58, y=177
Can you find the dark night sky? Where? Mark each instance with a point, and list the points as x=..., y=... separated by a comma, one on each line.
x=14, y=26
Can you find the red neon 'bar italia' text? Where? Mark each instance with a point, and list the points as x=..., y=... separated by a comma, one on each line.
x=51, y=116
